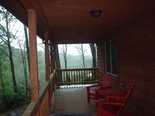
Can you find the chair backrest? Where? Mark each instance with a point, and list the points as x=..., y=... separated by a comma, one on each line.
x=106, y=81
x=114, y=106
x=129, y=93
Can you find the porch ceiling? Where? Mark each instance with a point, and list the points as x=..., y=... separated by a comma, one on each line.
x=69, y=21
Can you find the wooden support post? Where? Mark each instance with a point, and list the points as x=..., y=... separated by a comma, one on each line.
x=51, y=52
x=33, y=55
x=52, y=57
x=47, y=57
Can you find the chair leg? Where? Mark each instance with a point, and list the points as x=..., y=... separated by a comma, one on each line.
x=99, y=110
x=88, y=99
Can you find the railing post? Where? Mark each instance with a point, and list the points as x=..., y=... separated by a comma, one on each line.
x=33, y=55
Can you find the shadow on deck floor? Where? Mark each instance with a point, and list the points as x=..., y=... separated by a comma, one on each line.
x=70, y=100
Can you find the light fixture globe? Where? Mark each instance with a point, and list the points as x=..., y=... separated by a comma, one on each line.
x=95, y=13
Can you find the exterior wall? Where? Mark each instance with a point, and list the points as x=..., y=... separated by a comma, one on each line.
x=100, y=59
x=136, y=63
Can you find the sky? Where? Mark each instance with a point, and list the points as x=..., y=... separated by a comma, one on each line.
x=72, y=50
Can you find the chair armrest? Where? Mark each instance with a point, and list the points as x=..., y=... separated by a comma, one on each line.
x=100, y=103
x=102, y=88
x=115, y=97
x=106, y=108
x=93, y=86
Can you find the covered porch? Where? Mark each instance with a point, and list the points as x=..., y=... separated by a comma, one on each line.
x=59, y=96
x=123, y=32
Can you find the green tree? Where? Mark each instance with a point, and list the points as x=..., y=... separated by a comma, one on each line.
x=82, y=51
x=63, y=50
x=24, y=64
x=58, y=66
x=93, y=52
x=6, y=19
x=27, y=45
x=5, y=91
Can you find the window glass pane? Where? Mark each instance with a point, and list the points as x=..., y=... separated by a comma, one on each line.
x=114, y=57
x=107, y=56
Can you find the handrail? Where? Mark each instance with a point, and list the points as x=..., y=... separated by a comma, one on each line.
x=76, y=76
x=42, y=105
x=72, y=69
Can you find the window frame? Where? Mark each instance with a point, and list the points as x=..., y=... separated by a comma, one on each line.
x=111, y=54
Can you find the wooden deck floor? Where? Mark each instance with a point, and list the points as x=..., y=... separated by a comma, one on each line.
x=69, y=100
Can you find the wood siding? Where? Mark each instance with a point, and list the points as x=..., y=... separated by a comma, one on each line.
x=136, y=62
x=100, y=59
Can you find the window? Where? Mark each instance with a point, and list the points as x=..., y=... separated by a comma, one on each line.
x=110, y=49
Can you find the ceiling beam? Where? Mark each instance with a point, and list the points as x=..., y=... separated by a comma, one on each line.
x=41, y=18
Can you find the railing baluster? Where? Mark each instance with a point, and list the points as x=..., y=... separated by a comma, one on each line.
x=79, y=75
x=61, y=76
x=94, y=75
x=77, y=79
x=82, y=76
x=66, y=79
x=73, y=78
x=87, y=75
x=75, y=75
x=80, y=80
x=70, y=79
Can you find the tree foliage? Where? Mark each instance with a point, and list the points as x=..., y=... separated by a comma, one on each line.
x=12, y=89
x=6, y=37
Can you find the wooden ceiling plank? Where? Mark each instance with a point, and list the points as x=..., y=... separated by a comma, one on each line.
x=65, y=18
x=34, y=4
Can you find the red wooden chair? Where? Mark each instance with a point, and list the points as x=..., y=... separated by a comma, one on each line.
x=104, y=84
x=114, y=105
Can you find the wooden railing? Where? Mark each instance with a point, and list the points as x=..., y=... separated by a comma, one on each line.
x=76, y=76
x=43, y=105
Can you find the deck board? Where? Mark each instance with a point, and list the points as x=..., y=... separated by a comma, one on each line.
x=72, y=100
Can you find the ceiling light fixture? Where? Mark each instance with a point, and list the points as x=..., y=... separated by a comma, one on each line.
x=95, y=13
